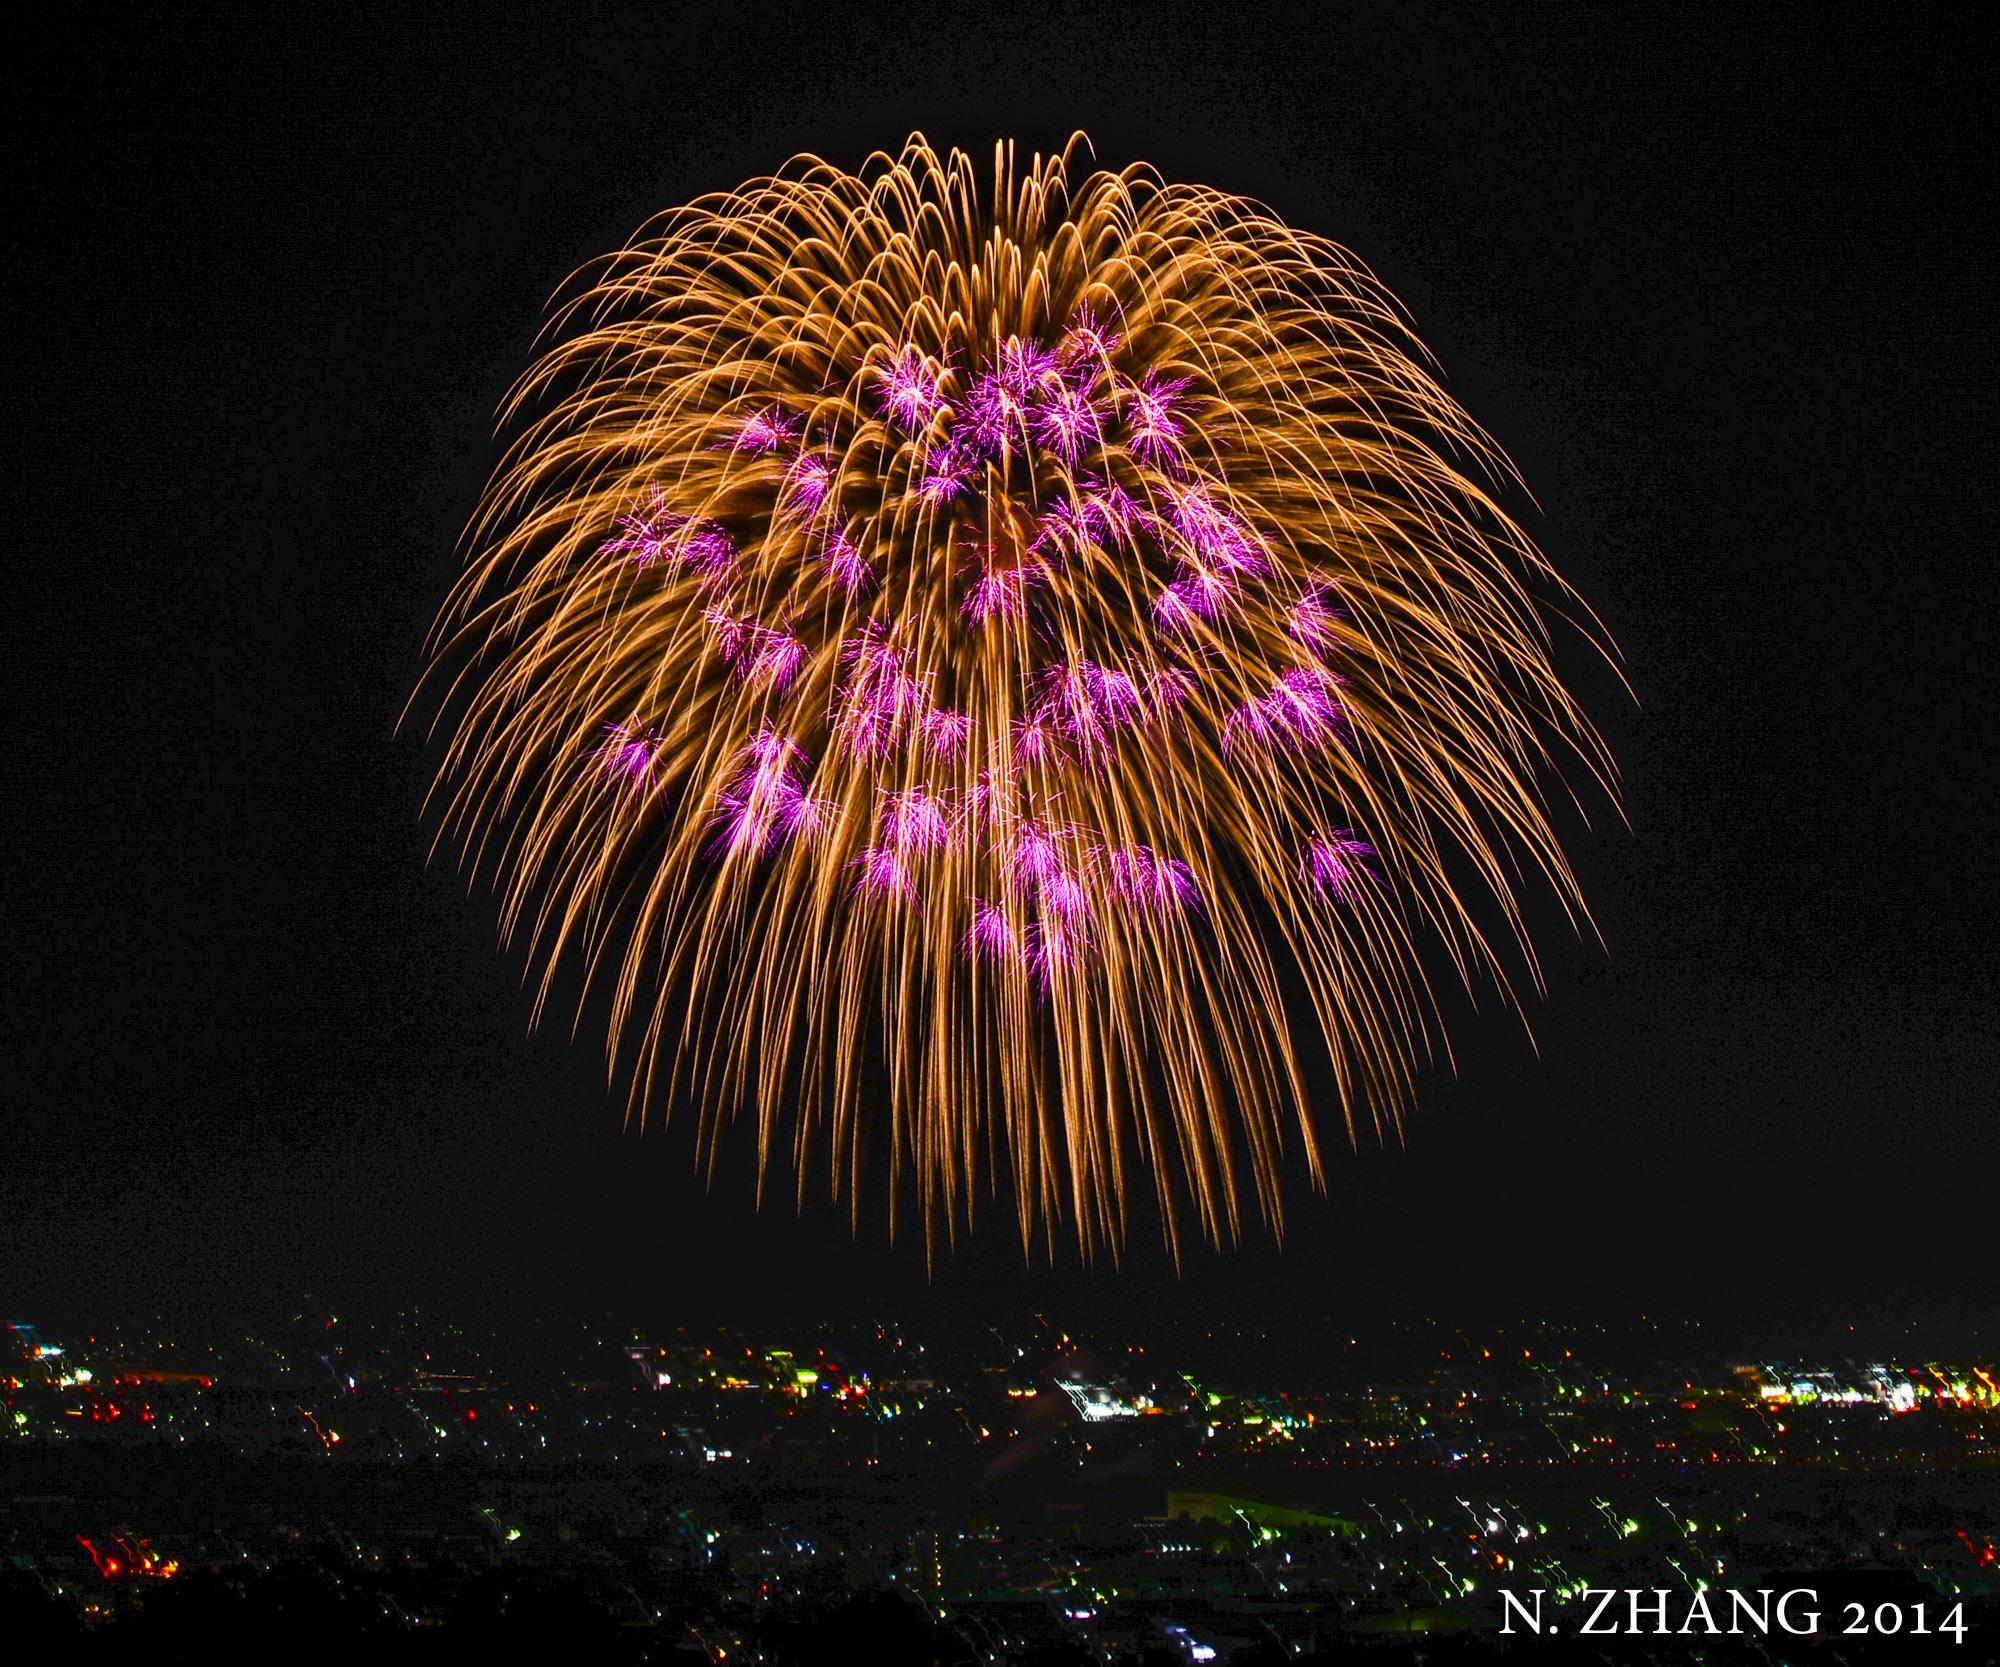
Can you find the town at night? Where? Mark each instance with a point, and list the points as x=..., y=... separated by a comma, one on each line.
x=1007, y=1491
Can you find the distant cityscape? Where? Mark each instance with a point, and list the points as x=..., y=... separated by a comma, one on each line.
x=1009, y=1492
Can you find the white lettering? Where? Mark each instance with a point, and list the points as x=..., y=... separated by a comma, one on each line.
x=1698, y=1610
x=1657, y=1607
x=1810, y=1618
x=1758, y=1614
x=1606, y=1596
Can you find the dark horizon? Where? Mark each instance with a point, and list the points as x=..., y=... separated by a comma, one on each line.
x=1711, y=287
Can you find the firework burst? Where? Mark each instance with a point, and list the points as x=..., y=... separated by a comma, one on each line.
x=1006, y=671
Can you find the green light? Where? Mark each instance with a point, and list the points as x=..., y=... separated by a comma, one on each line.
x=513, y=1534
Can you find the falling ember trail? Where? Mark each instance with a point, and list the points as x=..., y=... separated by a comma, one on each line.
x=949, y=657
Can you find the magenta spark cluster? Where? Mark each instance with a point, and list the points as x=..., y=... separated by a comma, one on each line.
x=1027, y=414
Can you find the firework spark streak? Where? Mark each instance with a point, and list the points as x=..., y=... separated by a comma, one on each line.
x=1012, y=672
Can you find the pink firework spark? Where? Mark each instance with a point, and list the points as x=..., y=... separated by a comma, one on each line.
x=1023, y=367
x=627, y=753
x=806, y=816
x=1035, y=858
x=1207, y=592
x=1066, y=422
x=1304, y=695
x=1036, y=741
x=994, y=418
x=727, y=631
x=646, y=535
x=1250, y=722
x=1088, y=337
x=1088, y=701
x=1299, y=710
x=877, y=694
x=911, y=391
x=991, y=937
x=845, y=564
x=880, y=872
x=1152, y=431
x=914, y=820
x=708, y=549
x=1110, y=513
x=947, y=732
x=866, y=731
x=1142, y=876
x=1335, y=863
x=773, y=658
x=1064, y=895
x=1055, y=948
x=947, y=473
x=1214, y=537
x=999, y=594
x=761, y=802
x=1179, y=608
x=1062, y=527
x=1310, y=619
x=758, y=654
x=871, y=659
x=808, y=483
x=772, y=752
x=773, y=429
x=1169, y=689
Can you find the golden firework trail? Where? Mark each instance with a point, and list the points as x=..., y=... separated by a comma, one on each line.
x=968, y=669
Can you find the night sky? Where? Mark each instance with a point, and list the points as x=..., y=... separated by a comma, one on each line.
x=1711, y=280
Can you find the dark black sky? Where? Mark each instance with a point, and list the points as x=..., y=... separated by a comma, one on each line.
x=1710, y=278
